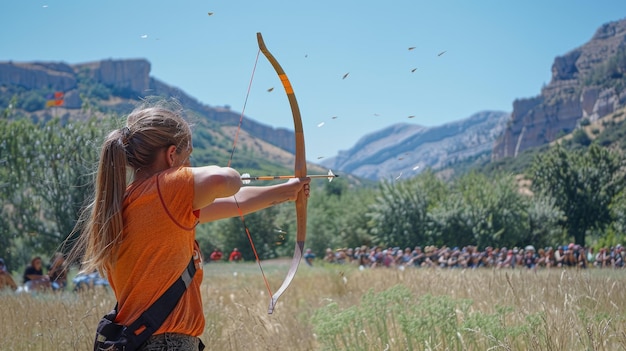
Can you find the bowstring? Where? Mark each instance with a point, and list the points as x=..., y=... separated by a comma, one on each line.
x=243, y=110
x=232, y=152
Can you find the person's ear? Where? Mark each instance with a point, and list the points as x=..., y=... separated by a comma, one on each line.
x=169, y=155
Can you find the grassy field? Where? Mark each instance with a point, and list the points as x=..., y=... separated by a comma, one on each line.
x=343, y=308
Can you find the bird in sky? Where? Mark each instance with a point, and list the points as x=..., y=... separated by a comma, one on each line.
x=270, y=89
x=345, y=75
x=413, y=70
x=441, y=53
x=411, y=48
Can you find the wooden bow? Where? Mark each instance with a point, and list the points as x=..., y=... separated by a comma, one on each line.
x=300, y=171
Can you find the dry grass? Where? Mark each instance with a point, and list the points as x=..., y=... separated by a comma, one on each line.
x=490, y=309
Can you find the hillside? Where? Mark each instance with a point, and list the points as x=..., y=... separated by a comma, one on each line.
x=113, y=87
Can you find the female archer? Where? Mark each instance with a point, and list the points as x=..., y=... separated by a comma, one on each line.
x=141, y=234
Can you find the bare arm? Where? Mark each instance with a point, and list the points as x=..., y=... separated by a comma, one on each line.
x=252, y=199
x=212, y=182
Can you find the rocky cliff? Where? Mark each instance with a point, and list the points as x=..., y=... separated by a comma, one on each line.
x=587, y=83
x=127, y=81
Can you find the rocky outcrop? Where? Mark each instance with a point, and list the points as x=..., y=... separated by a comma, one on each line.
x=570, y=96
x=125, y=75
x=129, y=80
x=58, y=76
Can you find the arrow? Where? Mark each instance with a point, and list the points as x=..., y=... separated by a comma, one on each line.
x=246, y=178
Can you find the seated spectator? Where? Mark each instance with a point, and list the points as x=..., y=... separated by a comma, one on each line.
x=388, y=259
x=559, y=256
x=404, y=259
x=330, y=256
x=530, y=259
x=363, y=258
x=581, y=256
x=603, y=259
x=6, y=280
x=309, y=256
x=570, y=259
x=350, y=255
x=591, y=256
x=376, y=257
x=87, y=281
x=418, y=256
x=431, y=257
x=34, y=279
x=549, y=257
x=489, y=257
x=507, y=258
x=235, y=256
x=216, y=255
x=617, y=258
x=341, y=256
x=57, y=271
x=541, y=258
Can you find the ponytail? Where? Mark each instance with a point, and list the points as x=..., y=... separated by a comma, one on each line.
x=102, y=219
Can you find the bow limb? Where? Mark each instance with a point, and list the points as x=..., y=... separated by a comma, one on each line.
x=300, y=171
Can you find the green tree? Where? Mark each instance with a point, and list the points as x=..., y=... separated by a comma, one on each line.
x=400, y=210
x=583, y=183
x=481, y=211
x=544, y=218
x=338, y=218
x=45, y=180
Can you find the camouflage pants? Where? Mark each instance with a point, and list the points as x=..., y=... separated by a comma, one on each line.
x=171, y=342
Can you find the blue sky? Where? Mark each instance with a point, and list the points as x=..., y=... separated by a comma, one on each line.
x=495, y=52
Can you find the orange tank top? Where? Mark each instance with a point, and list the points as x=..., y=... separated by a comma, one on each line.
x=157, y=243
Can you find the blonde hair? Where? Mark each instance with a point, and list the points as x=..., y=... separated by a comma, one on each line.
x=149, y=128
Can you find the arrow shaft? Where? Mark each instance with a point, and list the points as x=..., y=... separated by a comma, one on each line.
x=288, y=177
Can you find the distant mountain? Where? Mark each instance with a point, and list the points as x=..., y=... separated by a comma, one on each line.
x=406, y=149
x=587, y=84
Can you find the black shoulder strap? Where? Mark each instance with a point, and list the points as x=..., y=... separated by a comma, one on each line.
x=157, y=313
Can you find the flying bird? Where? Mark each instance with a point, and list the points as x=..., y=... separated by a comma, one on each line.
x=413, y=70
x=211, y=13
x=411, y=48
x=345, y=75
x=270, y=89
x=441, y=53
x=411, y=116
x=145, y=36
x=334, y=117
x=321, y=124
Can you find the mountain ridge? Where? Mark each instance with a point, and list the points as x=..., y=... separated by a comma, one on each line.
x=406, y=148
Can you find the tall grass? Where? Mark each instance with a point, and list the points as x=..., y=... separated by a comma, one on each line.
x=343, y=308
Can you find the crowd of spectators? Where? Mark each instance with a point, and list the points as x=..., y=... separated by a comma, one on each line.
x=528, y=257
x=570, y=255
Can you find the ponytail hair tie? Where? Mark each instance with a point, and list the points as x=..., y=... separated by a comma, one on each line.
x=125, y=131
